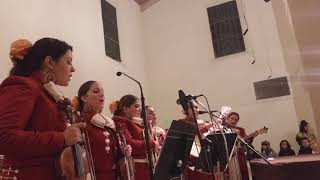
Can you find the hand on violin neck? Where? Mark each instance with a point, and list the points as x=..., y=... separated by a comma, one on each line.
x=72, y=134
x=127, y=150
x=236, y=131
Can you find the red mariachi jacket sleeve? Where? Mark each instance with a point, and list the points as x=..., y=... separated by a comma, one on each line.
x=134, y=136
x=243, y=134
x=18, y=136
x=135, y=139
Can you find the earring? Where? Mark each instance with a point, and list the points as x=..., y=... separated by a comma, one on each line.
x=48, y=76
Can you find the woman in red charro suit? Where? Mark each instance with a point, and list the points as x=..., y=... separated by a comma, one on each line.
x=101, y=131
x=238, y=167
x=203, y=128
x=33, y=132
x=127, y=109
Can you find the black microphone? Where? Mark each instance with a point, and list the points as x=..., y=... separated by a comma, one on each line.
x=205, y=112
x=122, y=73
x=195, y=97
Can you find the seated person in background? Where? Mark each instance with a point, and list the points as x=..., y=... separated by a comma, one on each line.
x=267, y=151
x=285, y=149
x=305, y=147
x=305, y=132
x=251, y=154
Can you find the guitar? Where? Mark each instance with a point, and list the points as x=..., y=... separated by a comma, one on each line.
x=256, y=133
x=252, y=135
x=7, y=174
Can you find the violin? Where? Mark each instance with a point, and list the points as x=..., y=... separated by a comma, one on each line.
x=75, y=161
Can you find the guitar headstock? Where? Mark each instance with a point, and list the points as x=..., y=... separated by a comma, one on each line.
x=262, y=130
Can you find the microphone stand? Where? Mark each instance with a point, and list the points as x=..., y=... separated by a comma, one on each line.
x=145, y=124
x=190, y=104
x=213, y=120
x=222, y=132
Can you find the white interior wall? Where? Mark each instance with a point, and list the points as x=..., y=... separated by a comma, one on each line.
x=293, y=59
x=306, y=27
x=177, y=38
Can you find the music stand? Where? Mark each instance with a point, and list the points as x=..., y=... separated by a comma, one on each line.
x=175, y=151
x=217, y=151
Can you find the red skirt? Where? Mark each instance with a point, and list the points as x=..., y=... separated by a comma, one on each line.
x=142, y=171
x=110, y=175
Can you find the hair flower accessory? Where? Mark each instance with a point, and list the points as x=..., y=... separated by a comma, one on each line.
x=19, y=49
x=113, y=106
x=75, y=103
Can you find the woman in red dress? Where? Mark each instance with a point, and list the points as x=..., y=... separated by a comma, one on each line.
x=190, y=116
x=240, y=163
x=125, y=116
x=101, y=131
x=33, y=132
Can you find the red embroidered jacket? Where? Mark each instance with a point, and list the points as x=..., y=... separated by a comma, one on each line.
x=134, y=136
x=31, y=127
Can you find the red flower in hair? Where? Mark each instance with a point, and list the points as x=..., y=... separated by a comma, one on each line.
x=113, y=106
x=75, y=103
x=19, y=49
